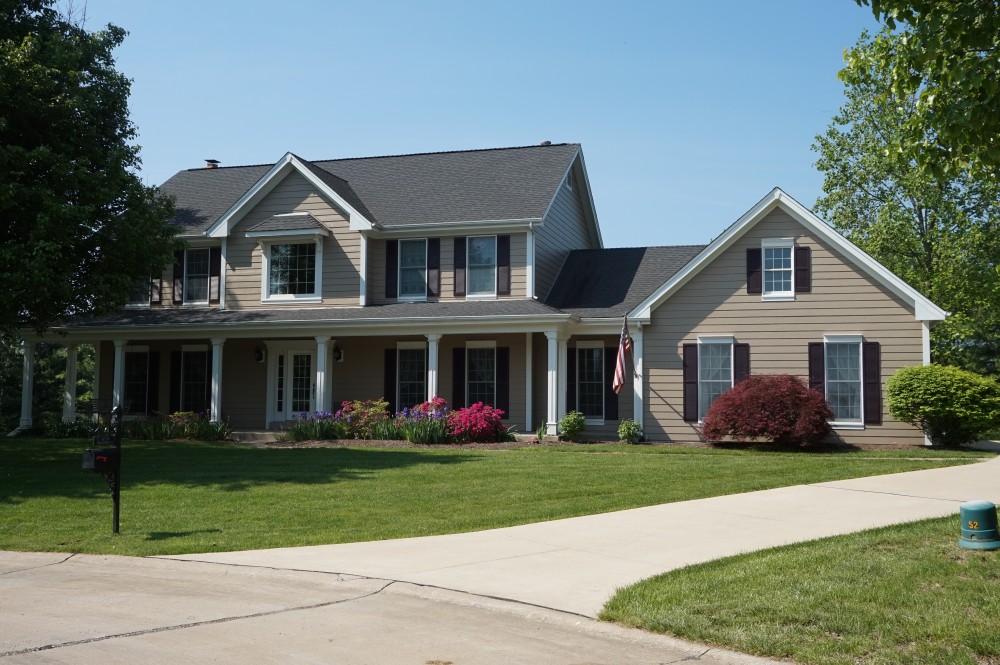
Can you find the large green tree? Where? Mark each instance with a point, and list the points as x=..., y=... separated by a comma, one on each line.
x=79, y=228
x=947, y=57
x=939, y=232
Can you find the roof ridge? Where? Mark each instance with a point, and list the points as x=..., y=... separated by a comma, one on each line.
x=405, y=154
x=606, y=249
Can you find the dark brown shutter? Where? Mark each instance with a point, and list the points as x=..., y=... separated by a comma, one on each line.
x=817, y=367
x=459, y=266
x=175, y=381
x=871, y=373
x=214, y=275
x=433, y=267
x=179, y=277
x=741, y=362
x=610, y=398
x=391, y=268
x=153, y=383
x=753, y=270
x=503, y=381
x=458, y=378
x=691, y=382
x=389, y=380
x=571, y=379
x=155, y=290
x=503, y=265
x=803, y=270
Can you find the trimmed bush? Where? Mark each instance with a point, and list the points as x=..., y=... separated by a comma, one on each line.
x=771, y=407
x=571, y=426
x=478, y=423
x=950, y=405
x=629, y=431
x=359, y=419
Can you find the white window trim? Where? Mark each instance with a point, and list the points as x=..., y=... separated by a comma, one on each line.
x=716, y=339
x=399, y=272
x=290, y=238
x=591, y=344
x=847, y=339
x=568, y=180
x=468, y=270
x=208, y=291
x=776, y=296
x=481, y=344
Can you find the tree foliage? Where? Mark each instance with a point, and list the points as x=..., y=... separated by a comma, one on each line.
x=946, y=55
x=951, y=406
x=79, y=228
x=940, y=233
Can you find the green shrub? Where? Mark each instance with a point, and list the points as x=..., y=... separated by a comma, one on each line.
x=951, y=406
x=54, y=427
x=629, y=431
x=316, y=427
x=571, y=426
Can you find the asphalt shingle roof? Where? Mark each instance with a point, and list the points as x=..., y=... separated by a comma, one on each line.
x=298, y=222
x=610, y=282
x=440, y=187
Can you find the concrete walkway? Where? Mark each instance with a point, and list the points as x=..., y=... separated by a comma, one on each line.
x=575, y=565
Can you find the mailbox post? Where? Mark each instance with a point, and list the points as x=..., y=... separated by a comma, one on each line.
x=107, y=460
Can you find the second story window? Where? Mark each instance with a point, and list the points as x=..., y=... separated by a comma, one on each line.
x=197, y=277
x=196, y=263
x=292, y=270
x=482, y=266
x=778, y=270
x=412, y=269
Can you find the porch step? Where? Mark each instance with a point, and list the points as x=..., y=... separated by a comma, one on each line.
x=255, y=436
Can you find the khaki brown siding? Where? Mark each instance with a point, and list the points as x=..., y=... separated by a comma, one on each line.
x=564, y=228
x=843, y=301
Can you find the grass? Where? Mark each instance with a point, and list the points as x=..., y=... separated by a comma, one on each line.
x=195, y=497
x=905, y=594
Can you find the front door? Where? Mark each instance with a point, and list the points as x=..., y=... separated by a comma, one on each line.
x=295, y=384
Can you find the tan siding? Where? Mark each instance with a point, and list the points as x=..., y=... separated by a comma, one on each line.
x=564, y=228
x=843, y=301
x=518, y=271
x=341, y=251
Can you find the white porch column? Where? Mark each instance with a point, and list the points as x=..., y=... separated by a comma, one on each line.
x=27, y=381
x=638, y=398
x=561, y=359
x=528, y=338
x=118, y=386
x=433, y=343
x=215, y=408
x=69, y=386
x=323, y=391
x=552, y=383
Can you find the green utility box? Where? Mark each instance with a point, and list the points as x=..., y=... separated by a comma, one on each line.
x=979, y=526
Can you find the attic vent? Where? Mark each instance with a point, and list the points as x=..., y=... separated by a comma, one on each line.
x=211, y=163
x=545, y=143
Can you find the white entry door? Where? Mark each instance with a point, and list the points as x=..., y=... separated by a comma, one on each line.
x=295, y=384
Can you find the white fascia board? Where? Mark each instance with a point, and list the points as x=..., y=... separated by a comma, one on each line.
x=222, y=226
x=924, y=309
x=372, y=327
x=472, y=227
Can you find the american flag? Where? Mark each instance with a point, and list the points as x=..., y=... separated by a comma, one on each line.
x=624, y=346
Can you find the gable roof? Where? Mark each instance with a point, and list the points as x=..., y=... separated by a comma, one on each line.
x=604, y=283
x=924, y=309
x=500, y=184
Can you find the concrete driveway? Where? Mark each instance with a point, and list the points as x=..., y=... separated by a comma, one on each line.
x=575, y=565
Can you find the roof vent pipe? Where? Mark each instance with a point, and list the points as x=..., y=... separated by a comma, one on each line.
x=211, y=163
x=545, y=143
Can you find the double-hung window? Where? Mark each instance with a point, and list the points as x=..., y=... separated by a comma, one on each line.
x=779, y=269
x=481, y=373
x=411, y=368
x=715, y=370
x=196, y=274
x=590, y=379
x=194, y=379
x=413, y=269
x=482, y=266
x=844, y=384
x=137, y=380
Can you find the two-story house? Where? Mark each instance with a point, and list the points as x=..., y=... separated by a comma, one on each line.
x=481, y=276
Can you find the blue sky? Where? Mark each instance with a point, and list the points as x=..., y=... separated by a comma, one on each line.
x=688, y=112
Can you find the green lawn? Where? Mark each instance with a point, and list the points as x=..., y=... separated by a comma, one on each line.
x=903, y=594
x=189, y=497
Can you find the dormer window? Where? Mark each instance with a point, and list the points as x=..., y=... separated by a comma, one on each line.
x=291, y=257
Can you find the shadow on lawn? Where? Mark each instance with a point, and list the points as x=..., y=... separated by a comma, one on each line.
x=52, y=467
